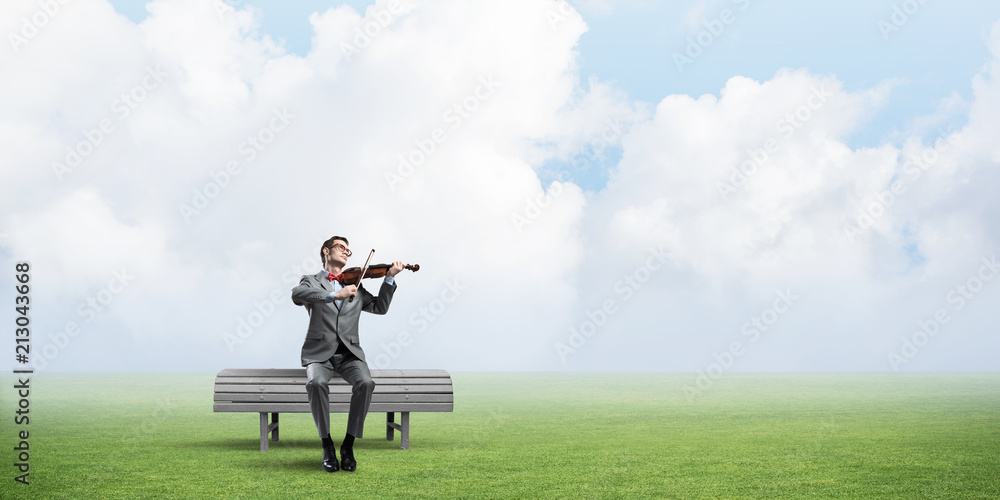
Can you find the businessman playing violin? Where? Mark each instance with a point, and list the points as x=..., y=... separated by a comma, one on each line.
x=332, y=345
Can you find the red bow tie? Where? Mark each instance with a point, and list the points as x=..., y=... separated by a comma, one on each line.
x=338, y=277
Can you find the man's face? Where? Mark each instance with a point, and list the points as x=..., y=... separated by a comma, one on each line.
x=338, y=252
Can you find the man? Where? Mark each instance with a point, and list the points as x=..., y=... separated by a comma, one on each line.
x=332, y=345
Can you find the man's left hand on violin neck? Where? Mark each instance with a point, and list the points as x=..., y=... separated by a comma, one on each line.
x=396, y=268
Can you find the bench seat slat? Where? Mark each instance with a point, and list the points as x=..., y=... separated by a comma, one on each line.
x=333, y=381
x=338, y=398
x=295, y=389
x=299, y=372
x=334, y=407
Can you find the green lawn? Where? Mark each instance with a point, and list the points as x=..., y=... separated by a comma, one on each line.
x=527, y=435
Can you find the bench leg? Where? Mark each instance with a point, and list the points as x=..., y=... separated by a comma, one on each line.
x=263, y=431
x=403, y=427
x=274, y=425
x=404, y=441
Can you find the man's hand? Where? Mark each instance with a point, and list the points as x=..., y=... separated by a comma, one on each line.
x=397, y=267
x=346, y=292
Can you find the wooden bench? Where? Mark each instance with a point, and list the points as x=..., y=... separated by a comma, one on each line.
x=277, y=391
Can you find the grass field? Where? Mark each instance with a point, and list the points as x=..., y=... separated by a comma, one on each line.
x=524, y=435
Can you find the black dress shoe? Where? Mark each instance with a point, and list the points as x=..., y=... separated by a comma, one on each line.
x=330, y=459
x=347, y=459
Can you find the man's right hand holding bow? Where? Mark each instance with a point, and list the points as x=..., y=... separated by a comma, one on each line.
x=346, y=292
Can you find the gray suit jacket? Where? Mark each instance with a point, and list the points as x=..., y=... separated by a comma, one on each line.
x=330, y=325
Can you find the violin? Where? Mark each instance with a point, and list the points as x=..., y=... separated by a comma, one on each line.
x=352, y=275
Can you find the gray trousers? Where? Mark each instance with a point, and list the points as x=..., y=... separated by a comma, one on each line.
x=356, y=373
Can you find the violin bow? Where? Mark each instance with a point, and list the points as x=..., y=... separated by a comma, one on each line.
x=363, y=271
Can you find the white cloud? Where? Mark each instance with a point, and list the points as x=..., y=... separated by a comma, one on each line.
x=437, y=68
x=783, y=225
x=79, y=240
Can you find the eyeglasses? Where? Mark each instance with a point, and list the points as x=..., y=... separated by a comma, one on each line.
x=341, y=248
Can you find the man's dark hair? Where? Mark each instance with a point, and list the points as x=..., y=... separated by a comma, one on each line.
x=329, y=243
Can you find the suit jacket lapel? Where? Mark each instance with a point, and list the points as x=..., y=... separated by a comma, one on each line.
x=325, y=283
